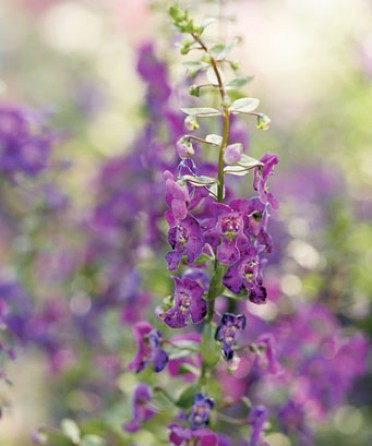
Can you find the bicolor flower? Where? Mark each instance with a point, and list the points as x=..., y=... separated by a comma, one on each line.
x=187, y=304
x=227, y=332
x=149, y=348
x=141, y=410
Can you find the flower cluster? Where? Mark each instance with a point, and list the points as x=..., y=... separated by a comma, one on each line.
x=25, y=143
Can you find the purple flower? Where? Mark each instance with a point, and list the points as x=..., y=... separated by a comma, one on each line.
x=25, y=144
x=227, y=332
x=292, y=419
x=261, y=175
x=141, y=410
x=267, y=356
x=226, y=230
x=177, y=198
x=180, y=435
x=200, y=411
x=149, y=351
x=188, y=303
x=185, y=239
x=247, y=274
x=257, y=418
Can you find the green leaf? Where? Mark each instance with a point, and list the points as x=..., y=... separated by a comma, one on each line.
x=92, y=440
x=244, y=105
x=220, y=52
x=186, y=399
x=210, y=349
x=201, y=111
x=182, y=348
x=241, y=168
x=203, y=258
x=71, y=429
x=199, y=181
x=236, y=170
x=212, y=76
x=193, y=67
x=240, y=82
x=249, y=162
x=214, y=139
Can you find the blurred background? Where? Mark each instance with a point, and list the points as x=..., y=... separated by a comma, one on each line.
x=75, y=62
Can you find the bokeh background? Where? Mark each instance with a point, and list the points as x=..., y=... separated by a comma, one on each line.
x=75, y=61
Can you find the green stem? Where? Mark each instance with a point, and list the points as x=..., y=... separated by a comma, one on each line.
x=221, y=162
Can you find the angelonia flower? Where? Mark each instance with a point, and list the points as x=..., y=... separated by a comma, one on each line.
x=200, y=411
x=25, y=143
x=142, y=412
x=227, y=332
x=198, y=420
x=257, y=418
x=188, y=304
x=149, y=348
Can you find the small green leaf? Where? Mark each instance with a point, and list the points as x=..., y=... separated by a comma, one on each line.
x=201, y=111
x=193, y=67
x=249, y=162
x=220, y=52
x=199, y=181
x=236, y=170
x=214, y=139
x=71, y=429
x=212, y=76
x=210, y=350
x=92, y=440
x=186, y=399
x=240, y=82
x=244, y=105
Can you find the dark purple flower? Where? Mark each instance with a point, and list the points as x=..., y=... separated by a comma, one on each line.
x=188, y=303
x=227, y=332
x=149, y=348
x=261, y=175
x=182, y=436
x=141, y=410
x=257, y=418
x=185, y=239
x=247, y=274
x=225, y=231
x=200, y=411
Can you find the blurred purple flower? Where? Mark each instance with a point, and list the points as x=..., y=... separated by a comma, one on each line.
x=149, y=348
x=261, y=175
x=141, y=410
